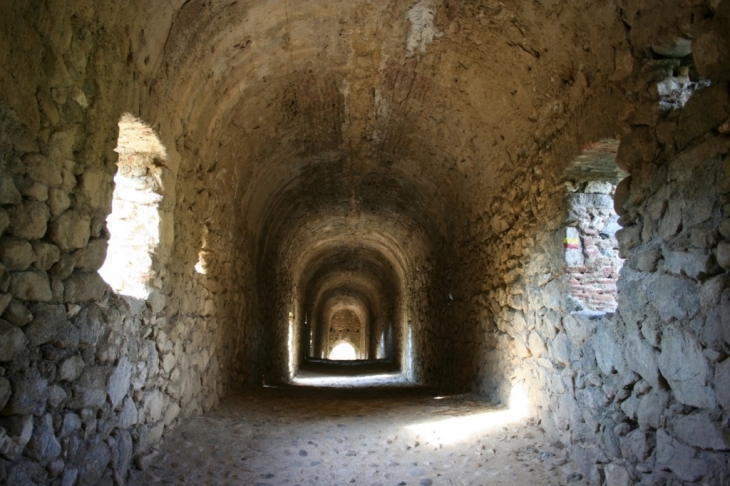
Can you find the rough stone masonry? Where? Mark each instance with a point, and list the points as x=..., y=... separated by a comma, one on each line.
x=417, y=158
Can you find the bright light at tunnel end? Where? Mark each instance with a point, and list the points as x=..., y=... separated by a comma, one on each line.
x=457, y=429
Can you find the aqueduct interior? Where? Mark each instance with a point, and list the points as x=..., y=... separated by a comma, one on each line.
x=431, y=182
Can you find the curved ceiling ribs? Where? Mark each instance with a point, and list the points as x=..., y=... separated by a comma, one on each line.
x=341, y=164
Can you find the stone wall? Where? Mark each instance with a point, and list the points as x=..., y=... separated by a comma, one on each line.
x=89, y=380
x=638, y=396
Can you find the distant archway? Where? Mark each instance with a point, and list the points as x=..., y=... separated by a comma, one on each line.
x=343, y=351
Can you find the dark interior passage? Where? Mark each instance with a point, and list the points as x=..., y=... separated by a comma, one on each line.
x=505, y=199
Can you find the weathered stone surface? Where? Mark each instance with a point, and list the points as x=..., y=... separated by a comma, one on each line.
x=47, y=255
x=89, y=391
x=70, y=368
x=123, y=459
x=579, y=327
x=703, y=112
x=700, y=431
x=92, y=256
x=628, y=238
x=5, y=300
x=29, y=220
x=685, y=368
x=44, y=446
x=12, y=340
x=16, y=254
x=722, y=384
x=31, y=286
x=153, y=405
x=30, y=392
x=4, y=392
x=17, y=314
x=58, y=201
x=41, y=169
x=34, y=190
x=71, y=423
x=9, y=194
x=48, y=320
x=71, y=230
x=685, y=263
x=64, y=267
x=56, y=396
x=635, y=149
x=641, y=358
x=651, y=408
x=608, y=353
x=637, y=445
x=119, y=382
x=4, y=220
x=723, y=254
x=678, y=458
x=83, y=287
x=128, y=415
x=673, y=297
x=617, y=476
x=95, y=462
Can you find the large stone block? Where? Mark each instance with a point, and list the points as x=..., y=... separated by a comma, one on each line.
x=686, y=369
x=119, y=382
x=4, y=392
x=678, y=458
x=47, y=255
x=673, y=297
x=70, y=368
x=609, y=354
x=12, y=340
x=722, y=384
x=31, y=286
x=704, y=111
x=83, y=286
x=16, y=254
x=92, y=256
x=43, y=445
x=651, y=409
x=39, y=168
x=17, y=313
x=29, y=220
x=30, y=393
x=9, y=194
x=48, y=320
x=699, y=430
x=89, y=390
x=71, y=230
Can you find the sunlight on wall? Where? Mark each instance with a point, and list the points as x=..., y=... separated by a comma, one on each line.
x=343, y=351
x=456, y=429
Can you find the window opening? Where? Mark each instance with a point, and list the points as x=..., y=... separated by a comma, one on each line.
x=134, y=223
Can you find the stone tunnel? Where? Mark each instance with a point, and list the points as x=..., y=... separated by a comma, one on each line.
x=204, y=196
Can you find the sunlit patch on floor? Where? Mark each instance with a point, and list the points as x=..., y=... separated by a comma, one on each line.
x=456, y=429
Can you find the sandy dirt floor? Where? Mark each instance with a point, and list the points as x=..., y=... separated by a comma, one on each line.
x=364, y=437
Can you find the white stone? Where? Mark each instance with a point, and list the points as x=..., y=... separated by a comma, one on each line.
x=70, y=368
